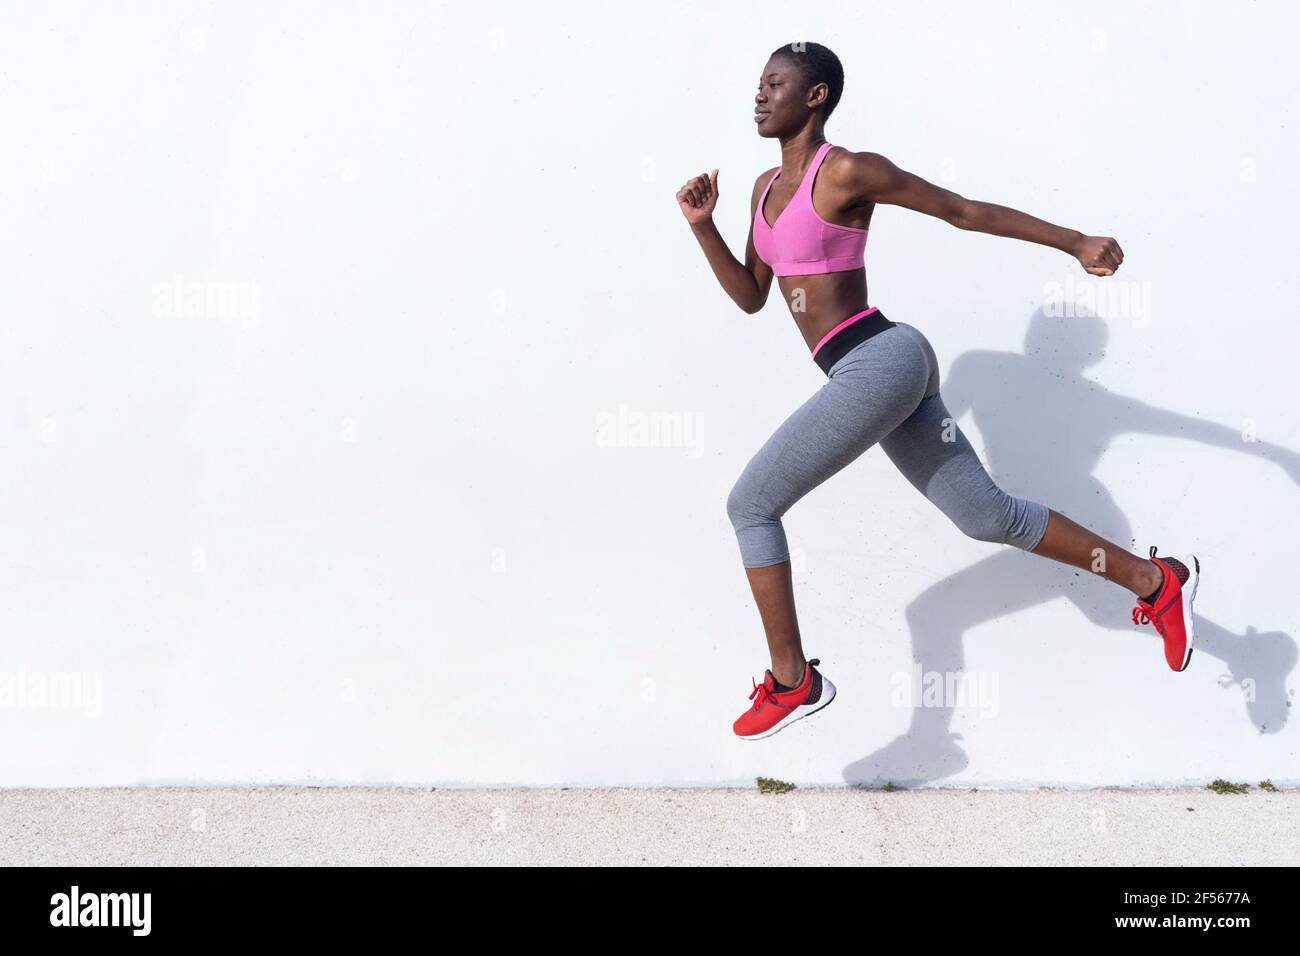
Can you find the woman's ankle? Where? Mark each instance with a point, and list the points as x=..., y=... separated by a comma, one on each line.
x=794, y=670
x=1152, y=582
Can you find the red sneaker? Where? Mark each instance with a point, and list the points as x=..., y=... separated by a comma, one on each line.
x=773, y=711
x=1171, y=611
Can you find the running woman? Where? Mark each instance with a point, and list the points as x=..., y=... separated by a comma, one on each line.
x=808, y=227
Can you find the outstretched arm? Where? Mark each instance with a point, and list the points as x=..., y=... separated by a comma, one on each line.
x=1148, y=419
x=883, y=182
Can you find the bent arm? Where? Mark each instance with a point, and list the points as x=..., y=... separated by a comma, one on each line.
x=745, y=283
x=883, y=182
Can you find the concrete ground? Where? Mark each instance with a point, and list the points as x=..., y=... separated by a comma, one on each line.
x=344, y=826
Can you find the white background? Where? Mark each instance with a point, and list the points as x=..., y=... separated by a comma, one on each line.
x=378, y=532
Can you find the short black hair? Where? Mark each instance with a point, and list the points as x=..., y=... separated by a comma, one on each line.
x=817, y=64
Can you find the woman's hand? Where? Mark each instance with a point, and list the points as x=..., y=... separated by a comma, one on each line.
x=1099, y=255
x=698, y=198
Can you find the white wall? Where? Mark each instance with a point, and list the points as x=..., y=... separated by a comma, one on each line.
x=370, y=529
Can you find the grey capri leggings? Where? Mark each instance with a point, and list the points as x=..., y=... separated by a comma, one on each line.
x=886, y=390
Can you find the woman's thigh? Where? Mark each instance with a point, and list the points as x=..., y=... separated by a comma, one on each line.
x=868, y=395
x=929, y=443
x=937, y=458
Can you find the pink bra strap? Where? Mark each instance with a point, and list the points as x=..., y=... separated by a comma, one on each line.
x=811, y=174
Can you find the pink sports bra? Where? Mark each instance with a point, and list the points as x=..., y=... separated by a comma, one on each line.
x=802, y=243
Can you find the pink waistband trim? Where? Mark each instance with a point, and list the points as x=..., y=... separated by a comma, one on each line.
x=840, y=328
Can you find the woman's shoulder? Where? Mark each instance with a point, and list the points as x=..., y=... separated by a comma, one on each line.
x=844, y=166
x=843, y=158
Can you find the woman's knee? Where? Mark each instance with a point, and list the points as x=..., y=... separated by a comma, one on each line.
x=758, y=527
x=741, y=506
x=982, y=525
x=1004, y=519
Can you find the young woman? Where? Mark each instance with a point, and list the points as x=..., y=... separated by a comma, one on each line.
x=808, y=227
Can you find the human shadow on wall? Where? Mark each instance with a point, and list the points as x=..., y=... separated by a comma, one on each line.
x=1045, y=427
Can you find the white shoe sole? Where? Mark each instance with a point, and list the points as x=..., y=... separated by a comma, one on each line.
x=803, y=710
x=1189, y=595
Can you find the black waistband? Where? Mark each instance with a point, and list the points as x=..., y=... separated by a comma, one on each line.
x=848, y=338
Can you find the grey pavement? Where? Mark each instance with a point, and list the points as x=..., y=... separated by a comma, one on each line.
x=351, y=826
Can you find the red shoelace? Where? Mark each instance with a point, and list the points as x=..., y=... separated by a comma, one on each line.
x=761, y=691
x=1142, y=613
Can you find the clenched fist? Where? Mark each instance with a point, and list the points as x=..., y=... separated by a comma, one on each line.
x=1099, y=255
x=698, y=198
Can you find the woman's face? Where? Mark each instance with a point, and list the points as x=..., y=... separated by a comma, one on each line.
x=781, y=105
